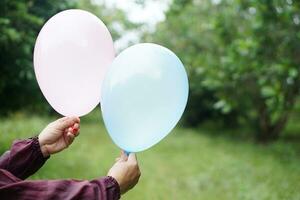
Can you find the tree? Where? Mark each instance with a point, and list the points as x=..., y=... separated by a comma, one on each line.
x=115, y=19
x=245, y=52
x=20, y=22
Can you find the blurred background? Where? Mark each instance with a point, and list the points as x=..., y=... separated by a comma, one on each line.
x=239, y=136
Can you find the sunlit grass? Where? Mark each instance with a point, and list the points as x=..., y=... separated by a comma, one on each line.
x=188, y=164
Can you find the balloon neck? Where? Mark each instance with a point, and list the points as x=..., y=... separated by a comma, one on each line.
x=127, y=153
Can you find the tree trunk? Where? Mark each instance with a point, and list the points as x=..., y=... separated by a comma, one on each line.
x=269, y=132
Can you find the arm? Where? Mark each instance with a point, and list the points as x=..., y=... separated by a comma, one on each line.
x=24, y=158
x=27, y=156
x=122, y=177
x=105, y=188
x=58, y=135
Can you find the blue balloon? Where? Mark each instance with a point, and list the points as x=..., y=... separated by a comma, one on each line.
x=144, y=95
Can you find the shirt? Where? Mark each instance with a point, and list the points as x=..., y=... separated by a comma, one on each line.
x=25, y=158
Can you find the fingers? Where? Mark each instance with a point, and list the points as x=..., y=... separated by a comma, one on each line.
x=70, y=133
x=75, y=129
x=69, y=130
x=70, y=138
x=132, y=158
x=62, y=119
x=66, y=122
x=123, y=157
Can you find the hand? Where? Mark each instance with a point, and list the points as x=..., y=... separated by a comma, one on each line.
x=126, y=171
x=58, y=135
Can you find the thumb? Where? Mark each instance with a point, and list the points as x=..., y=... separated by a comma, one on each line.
x=123, y=156
x=132, y=158
x=66, y=122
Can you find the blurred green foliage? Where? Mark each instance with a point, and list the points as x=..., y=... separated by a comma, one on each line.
x=242, y=58
x=20, y=22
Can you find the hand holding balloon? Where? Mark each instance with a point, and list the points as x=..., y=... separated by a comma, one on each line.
x=126, y=171
x=58, y=135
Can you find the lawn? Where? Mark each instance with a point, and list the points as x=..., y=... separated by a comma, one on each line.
x=188, y=164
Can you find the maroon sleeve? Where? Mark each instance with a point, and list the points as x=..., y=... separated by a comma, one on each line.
x=24, y=158
x=13, y=188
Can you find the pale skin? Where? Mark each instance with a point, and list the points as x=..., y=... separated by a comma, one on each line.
x=60, y=134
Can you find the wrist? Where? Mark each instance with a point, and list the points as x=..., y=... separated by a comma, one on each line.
x=44, y=151
x=118, y=182
x=113, y=184
x=43, y=148
x=41, y=140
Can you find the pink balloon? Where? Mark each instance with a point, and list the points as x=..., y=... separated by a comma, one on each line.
x=71, y=57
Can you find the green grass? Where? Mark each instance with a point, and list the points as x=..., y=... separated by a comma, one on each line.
x=188, y=164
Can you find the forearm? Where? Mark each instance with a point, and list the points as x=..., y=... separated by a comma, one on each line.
x=23, y=159
x=99, y=189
